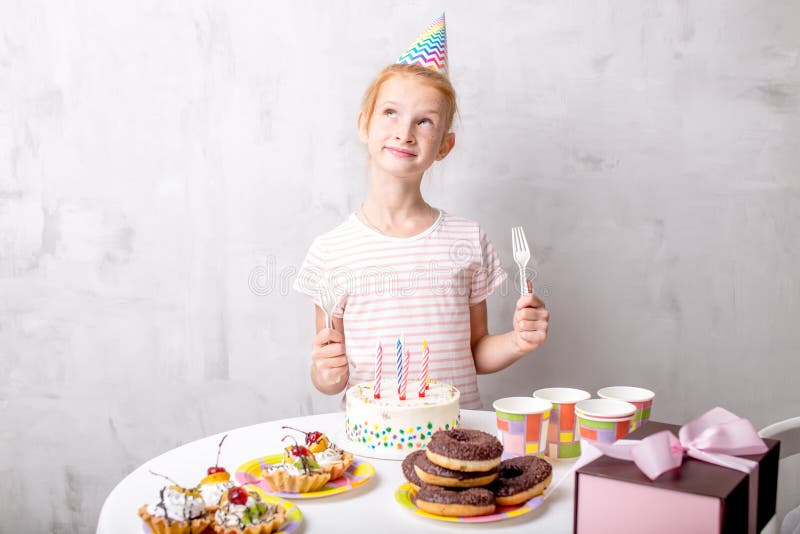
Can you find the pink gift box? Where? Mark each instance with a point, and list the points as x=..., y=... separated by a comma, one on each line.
x=614, y=496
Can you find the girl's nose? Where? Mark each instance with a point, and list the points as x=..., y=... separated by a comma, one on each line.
x=403, y=133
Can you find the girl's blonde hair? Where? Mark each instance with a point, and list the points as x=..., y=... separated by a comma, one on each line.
x=424, y=75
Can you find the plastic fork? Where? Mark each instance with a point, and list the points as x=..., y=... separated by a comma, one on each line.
x=522, y=255
x=328, y=302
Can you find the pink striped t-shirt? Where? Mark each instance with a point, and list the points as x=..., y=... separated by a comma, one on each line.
x=420, y=287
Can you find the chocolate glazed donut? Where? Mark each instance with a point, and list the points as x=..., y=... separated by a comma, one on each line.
x=464, y=450
x=430, y=473
x=408, y=468
x=521, y=479
x=465, y=503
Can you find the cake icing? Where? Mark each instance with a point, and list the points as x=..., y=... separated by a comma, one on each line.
x=391, y=424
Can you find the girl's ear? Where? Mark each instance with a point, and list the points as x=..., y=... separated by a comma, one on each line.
x=447, y=145
x=361, y=124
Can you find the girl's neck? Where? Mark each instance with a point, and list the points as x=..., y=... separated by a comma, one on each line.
x=396, y=208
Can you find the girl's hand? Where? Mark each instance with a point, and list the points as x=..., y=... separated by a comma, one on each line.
x=329, y=359
x=530, y=323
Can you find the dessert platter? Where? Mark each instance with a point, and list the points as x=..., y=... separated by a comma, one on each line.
x=452, y=474
x=317, y=469
x=218, y=506
x=462, y=477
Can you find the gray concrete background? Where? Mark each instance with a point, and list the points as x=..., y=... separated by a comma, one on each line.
x=165, y=165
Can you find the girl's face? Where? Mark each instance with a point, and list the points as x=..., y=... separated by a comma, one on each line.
x=405, y=134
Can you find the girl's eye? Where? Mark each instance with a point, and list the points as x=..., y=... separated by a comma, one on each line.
x=426, y=122
x=390, y=113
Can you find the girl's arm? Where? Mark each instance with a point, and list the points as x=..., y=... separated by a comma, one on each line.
x=329, y=367
x=495, y=352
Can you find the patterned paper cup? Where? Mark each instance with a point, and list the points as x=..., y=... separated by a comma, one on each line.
x=522, y=425
x=604, y=420
x=639, y=397
x=563, y=440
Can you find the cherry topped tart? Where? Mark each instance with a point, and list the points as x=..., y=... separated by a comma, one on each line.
x=298, y=472
x=243, y=511
x=217, y=481
x=330, y=458
x=300, y=457
x=179, y=510
x=315, y=441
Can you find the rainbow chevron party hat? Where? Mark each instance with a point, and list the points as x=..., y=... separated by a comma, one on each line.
x=430, y=48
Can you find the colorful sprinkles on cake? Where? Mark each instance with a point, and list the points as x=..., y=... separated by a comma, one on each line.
x=384, y=429
x=391, y=437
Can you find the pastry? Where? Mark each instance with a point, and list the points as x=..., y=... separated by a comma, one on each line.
x=328, y=455
x=245, y=512
x=298, y=473
x=179, y=510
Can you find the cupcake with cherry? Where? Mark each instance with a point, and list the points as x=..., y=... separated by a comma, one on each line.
x=298, y=472
x=332, y=459
x=244, y=512
x=179, y=510
x=461, y=474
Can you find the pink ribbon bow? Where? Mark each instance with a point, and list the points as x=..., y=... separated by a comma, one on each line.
x=717, y=437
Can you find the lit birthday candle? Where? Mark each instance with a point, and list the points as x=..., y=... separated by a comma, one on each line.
x=378, y=371
x=399, y=351
x=404, y=379
x=426, y=358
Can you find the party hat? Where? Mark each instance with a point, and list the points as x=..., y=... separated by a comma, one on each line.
x=430, y=48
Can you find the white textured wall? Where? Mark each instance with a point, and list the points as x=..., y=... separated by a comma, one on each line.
x=164, y=165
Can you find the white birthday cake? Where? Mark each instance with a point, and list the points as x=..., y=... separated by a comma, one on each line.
x=391, y=425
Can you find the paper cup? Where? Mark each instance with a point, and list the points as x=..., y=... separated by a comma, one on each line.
x=639, y=397
x=563, y=440
x=522, y=425
x=604, y=420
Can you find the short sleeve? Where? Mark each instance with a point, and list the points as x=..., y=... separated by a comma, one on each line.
x=490, y=275
x=311, y=272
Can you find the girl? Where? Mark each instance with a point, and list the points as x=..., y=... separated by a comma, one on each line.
x=400, y=266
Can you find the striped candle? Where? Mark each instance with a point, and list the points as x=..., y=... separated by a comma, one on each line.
x=426, y=357
x=376, y=389
x=404, y=379
x=399, y=351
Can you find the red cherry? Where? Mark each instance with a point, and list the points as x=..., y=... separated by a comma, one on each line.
x=313, y=437
x=237, y=495
x=300, y=451
x=216, y=469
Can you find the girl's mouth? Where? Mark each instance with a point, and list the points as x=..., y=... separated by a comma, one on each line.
x=399, y=152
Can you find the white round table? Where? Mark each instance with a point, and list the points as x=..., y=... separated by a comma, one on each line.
x=368, y=508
